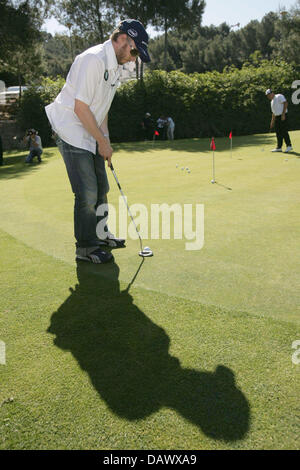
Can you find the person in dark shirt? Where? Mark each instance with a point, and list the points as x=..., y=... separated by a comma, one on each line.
x=148, y=127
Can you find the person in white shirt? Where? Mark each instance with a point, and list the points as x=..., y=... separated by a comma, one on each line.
x=279, y=107
x=79, y=116
x=171, y=127
x=161, y=126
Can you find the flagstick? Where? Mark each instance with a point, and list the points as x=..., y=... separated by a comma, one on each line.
x=231, y=147
x=213, y=180
x=213, y=148
x=156, y=133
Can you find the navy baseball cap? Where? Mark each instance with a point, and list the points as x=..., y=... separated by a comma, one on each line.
x=135, y=30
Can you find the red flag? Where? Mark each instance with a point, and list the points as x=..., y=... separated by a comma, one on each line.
x=213, y=145
x=230, y=135
x=156, y=133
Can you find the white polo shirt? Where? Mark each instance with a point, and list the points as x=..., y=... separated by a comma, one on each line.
x=93, y=79
x=277, y=104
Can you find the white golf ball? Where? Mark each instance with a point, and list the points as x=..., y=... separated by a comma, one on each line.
x=147, y=248
x=176, y=166
x=182, y=168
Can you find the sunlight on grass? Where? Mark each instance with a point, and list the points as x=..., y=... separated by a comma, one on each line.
x=196, y=353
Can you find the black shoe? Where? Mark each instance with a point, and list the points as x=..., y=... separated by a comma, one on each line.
x=112, y=241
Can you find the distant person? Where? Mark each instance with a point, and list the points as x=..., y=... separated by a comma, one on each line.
x=35, y=145
x=279, y=107
x=170, y=128
x=148, y=126
x=161, y=126
x=1, y=152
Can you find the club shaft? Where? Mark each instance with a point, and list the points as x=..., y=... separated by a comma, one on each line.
x=125, y=201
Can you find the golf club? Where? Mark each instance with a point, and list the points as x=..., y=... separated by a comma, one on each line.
x=145, y=252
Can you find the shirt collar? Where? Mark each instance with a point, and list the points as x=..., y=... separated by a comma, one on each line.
x=112, y=62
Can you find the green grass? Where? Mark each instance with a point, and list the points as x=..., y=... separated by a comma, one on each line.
x=197, y=354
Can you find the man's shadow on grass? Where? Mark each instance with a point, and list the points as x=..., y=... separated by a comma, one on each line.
x=127, y=358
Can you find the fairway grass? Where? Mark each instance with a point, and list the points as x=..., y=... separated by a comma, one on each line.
x=197, y=354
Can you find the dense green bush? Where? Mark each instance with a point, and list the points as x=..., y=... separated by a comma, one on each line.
x=204, y=104
x=201, y=104
x=32, y=107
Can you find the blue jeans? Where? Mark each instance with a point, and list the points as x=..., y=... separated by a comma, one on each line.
x=34, y=153
x=89, y=184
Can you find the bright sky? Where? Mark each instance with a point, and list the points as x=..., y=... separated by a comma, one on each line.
x=217, y=12
x=241, y=11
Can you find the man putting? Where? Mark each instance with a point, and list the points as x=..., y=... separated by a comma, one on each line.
x=279, y=107
x=79, y=118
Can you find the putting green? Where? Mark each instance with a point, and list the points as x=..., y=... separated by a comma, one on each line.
x=250, y=258
x=187, y=358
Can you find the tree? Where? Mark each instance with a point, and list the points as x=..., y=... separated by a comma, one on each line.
x=20, y=52
x=287, y=35
x=201, y=49
x=142, y=10
x=178, y=15
x=265, y=33
x=18, y=26
x=58, y=54
x=92, y=20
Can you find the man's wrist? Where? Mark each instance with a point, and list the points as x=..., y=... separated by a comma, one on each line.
x=103, y=141
x=101, y=137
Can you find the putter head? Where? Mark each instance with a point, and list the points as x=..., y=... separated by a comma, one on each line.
x=146, y=252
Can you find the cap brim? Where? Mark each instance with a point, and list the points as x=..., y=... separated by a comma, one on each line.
x=144, y=54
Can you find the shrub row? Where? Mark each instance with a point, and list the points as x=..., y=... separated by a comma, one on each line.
x=204, y=104
x=201, y=104
x=32, y=114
